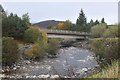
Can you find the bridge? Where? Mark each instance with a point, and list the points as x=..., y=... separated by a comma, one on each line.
x=65, y=34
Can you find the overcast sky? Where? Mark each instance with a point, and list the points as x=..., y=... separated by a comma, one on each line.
x=40, y=11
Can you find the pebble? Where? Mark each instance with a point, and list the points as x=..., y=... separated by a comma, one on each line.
x=84, y=69
x=34, y=76
x=2, y=70
x=7, y=70
x=24, y=67
x=27, y=76
x=2, y=75
x=81, y=60
x=27, y=62
x=14, y=68
x=43, y=76
x=54, y=76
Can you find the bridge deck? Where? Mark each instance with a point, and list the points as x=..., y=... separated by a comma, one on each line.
x=65, y=34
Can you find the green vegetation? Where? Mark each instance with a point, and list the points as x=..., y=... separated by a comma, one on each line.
x=44, y=39
x=111, y=32
x=98, y=30
x=14, y=26
x=52, y=46
x=38, y=51
x=111, y=71
x=102, y=30
x=35, y=52
x=105, y=42
x=96, y=22
x=81, y=22
x=32, y=35
x=41, y=45
x=9, y=51
x=105, y=48
x=67, y=25
x=39, y=39
x=103, y=20
x=105, y=45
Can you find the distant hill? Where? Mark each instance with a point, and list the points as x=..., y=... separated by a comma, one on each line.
x=47, y=23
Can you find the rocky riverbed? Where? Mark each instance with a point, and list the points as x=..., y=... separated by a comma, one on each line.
x=71, y=62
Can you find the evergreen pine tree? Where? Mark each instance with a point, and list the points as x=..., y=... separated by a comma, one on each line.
x=96, y=22
x=103, y=20
x=81, y=23
x=91, y=23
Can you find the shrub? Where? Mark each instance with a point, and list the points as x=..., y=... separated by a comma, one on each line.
x=32, y=35
x=35, y=52
x=105, y=48
x=111, y=32
x=38, y=51
x=43, y=40
x=39, y=40
x=98, y=47
x=97, y=30
x=9, y=51
x=52, y=46
x=29, y=52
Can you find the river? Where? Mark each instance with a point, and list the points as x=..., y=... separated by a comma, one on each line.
x=70, y=62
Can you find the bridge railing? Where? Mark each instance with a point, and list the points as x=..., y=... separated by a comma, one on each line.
x=64, y=32
x=67, y=32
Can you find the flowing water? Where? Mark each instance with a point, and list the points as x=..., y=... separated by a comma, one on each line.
x=70, y=62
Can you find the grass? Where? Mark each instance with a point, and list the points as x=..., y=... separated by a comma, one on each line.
x=111, y=71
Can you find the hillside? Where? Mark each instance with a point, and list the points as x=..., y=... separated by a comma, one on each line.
x=47, y=23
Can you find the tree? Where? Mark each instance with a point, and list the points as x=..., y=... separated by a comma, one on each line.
x=96, y=22
x=67, y=25
x=81, y=23
x=61, y=26
x=102, y=21
x=14, y=26
x=89, y=25
x=26, y=19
